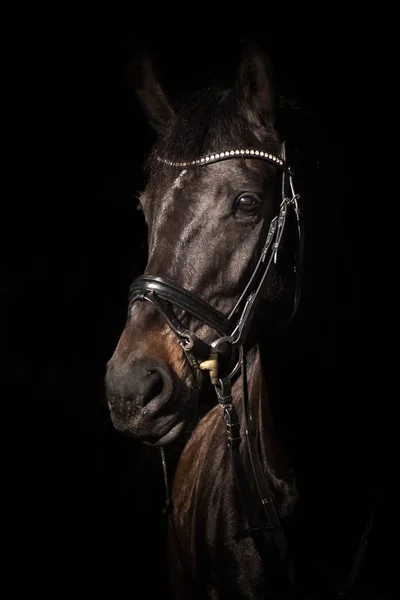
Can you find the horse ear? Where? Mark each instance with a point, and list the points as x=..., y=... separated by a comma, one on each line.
x=153, y=99
x=254, y=83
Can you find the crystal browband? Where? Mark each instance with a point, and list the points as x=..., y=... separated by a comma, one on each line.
x=218, y=156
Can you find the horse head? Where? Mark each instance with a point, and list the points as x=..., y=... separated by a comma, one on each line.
x=213, y=210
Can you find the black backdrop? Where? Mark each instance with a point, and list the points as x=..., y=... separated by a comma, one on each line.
x=89, y=501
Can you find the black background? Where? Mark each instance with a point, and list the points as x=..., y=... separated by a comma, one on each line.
x=88, y=501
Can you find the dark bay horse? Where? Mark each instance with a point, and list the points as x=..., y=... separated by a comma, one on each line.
x=223, y=273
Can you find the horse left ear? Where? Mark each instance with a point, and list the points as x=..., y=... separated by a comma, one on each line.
x=254, y=83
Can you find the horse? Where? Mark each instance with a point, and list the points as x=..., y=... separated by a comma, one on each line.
x=224, y=273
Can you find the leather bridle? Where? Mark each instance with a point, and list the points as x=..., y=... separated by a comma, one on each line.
x=234, y=328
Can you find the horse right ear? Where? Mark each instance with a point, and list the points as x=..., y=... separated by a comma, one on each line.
x=153, y=99
x=254, y=83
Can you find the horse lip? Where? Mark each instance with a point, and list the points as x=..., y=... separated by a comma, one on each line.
x=145, y=419
x=150, y=409
x=168, y=437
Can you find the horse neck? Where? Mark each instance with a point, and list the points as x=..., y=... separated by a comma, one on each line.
x=273, y=454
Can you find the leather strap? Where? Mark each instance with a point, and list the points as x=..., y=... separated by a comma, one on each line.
x=175, y=294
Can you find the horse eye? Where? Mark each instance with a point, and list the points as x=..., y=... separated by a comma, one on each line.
x=247, y=203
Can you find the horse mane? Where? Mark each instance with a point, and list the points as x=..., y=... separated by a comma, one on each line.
x=211, y=120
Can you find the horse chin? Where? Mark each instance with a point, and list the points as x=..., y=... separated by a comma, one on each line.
x=170, y=437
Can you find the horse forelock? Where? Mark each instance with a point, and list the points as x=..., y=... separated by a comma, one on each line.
x=213, y=120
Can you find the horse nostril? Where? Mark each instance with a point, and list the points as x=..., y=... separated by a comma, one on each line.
x=148, y=381
x=140, y=382
x=155, y=386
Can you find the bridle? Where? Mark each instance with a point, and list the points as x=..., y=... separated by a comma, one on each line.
x=233, y=330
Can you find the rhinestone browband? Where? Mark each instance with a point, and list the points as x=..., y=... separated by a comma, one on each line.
x=217, y=156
